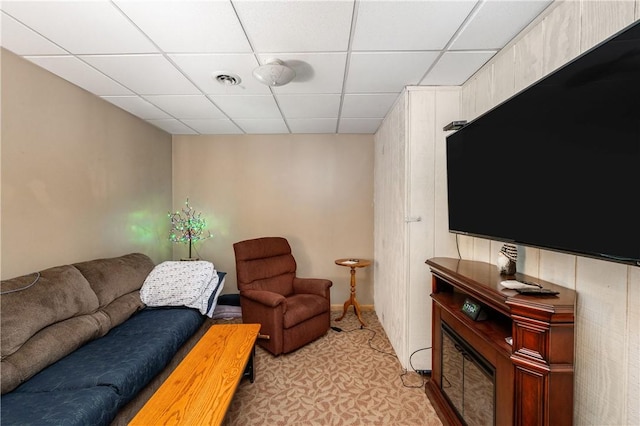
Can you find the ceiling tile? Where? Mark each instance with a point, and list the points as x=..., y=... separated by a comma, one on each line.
x=495, y=23
x=202, y=69
x=269, y=126
x=23, y=41
x=359, y=125
x=213, y=127
x=158, y=59
x=296, y=26
x=80, y=26
x=137, y=106
x=186, y=106
x=248, y=106
x=309, y=106
x=367, y=105
x=454, y=68
x=144, y=74
x=387, y=72
x=315, y=72
x=408, y=25
x=313, y=125
x=173, y=126
x=79, y=73
x=203, y=26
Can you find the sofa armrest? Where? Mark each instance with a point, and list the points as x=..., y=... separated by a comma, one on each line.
x=317, y=286
x=263, y=297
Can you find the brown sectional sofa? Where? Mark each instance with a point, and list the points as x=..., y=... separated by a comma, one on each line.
x=55, y=325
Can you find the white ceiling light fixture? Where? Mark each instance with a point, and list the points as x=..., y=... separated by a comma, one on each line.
x=274, y=73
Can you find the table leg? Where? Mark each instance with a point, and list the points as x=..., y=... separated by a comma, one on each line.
x=249, y=370
x=352, y=300
x=356, y=309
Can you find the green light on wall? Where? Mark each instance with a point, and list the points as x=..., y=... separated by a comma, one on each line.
x=140, y=231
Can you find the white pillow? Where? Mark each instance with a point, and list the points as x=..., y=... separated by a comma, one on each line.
x=180, y=283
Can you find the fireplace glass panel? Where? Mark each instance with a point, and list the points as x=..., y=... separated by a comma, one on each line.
x=467, y=380
x=452, y=372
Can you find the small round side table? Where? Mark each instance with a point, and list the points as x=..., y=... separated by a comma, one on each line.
x=353, y=264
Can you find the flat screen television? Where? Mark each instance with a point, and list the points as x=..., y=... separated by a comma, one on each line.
x=557, y=166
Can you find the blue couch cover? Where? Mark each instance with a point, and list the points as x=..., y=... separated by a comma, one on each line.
x=91, y=384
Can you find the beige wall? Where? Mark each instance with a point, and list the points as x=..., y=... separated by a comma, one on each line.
x=81, y=179
x=607, y=364
x=315, y=190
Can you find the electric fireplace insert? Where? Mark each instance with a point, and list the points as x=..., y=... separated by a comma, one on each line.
x=467, y=380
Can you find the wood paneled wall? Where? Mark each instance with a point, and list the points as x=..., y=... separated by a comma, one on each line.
x=410, y=183
x=607, y=364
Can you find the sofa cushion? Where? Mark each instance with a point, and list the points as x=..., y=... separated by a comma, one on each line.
x=126, y=359
x=117, y=276
x=45, y=348
x=59, y=293
x=94, y=406
x=118, y=311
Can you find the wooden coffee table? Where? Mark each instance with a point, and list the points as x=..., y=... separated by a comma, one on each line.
x=200, y=389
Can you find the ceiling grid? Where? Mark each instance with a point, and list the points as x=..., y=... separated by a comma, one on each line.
x=158, y=59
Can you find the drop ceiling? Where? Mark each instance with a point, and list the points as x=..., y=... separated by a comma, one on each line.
x=158, y=59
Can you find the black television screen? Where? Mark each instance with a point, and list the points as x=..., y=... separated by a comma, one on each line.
x=557, y=166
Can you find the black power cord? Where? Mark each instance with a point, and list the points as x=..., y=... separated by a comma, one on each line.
x=423, y=373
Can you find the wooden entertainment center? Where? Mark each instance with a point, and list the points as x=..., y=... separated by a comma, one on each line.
x=527, y=382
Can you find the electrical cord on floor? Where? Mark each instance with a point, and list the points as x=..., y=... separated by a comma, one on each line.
x=376, y=349
x=338, y=329
x=422, y=373
x=404, y=372
x=402, y=376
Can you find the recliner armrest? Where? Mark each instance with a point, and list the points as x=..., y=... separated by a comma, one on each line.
x=267, y=298
x=317, y=286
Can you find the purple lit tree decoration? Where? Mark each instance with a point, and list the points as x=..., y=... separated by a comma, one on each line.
x=187, y=226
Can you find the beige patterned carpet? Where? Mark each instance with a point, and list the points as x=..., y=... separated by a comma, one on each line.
x=344, y=378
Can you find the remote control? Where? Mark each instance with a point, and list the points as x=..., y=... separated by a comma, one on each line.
x=537, y=291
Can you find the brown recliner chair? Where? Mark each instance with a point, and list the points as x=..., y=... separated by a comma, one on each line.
x=292, y=311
